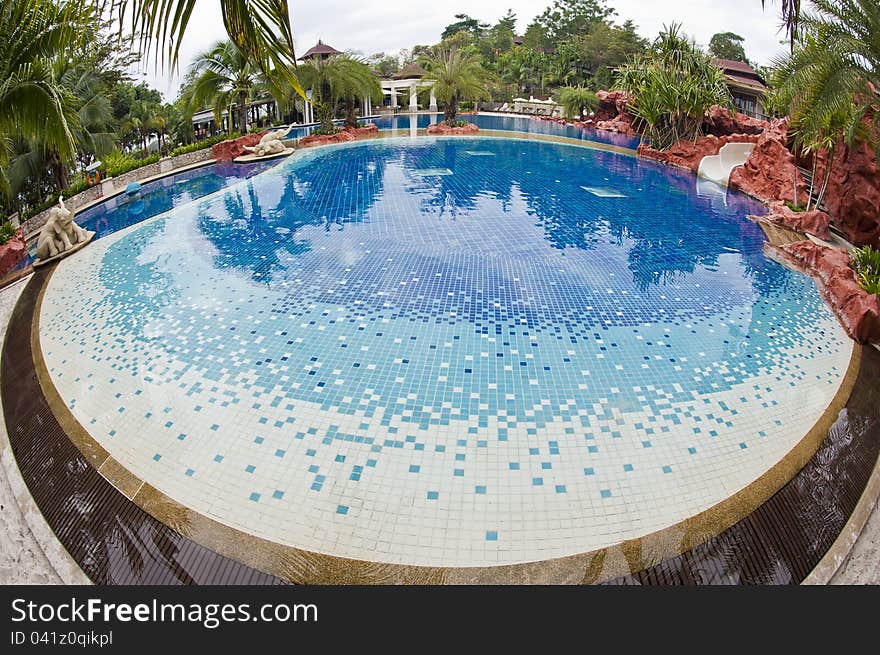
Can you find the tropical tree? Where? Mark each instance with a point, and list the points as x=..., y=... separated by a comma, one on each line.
x=829, y=82
x=727, y=45
x=338, y=78
x=457, y=76
x=143, y=119
x=836, y=65
x=224, y=76
x=34, y=104
x=37, y=167
x=259, y=29
x=791, y=14
x=566, y=19
x=673, y=86
x=575, y=100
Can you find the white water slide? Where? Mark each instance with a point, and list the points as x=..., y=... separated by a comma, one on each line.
x=717, y=168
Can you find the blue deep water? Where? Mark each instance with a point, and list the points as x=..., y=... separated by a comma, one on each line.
x=462, y=278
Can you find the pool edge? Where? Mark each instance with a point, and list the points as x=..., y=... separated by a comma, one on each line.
x=306, y=566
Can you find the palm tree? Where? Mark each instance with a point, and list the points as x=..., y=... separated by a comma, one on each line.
x=831, y=79
x=38, y=164
x=791, y=14
x=457, y=76
x=576, y=99
x=260, y=29
x=142, y=118
x=836, y=65
x=336, y=78
x=33, y=103
x=225, y=75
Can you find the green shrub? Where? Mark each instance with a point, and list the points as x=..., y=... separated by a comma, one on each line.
x=120, y=163
x=866, y=264
x=673, y=86
x=201, y=145
x=576, y=100
x=795, y=208
x=7, y=231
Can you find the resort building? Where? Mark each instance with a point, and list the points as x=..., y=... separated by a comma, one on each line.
x=746, y=86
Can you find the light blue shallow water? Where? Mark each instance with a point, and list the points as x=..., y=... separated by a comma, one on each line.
x=459, y=351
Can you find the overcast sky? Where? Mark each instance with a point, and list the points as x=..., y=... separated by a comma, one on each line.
x=371, y=26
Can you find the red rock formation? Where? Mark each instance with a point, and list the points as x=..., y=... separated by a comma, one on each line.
x=770, y=172
x=347, y=134
x=622, y=123
x=611, y=105
x=722, y=122
x=815, y=221
x=443, y=129
x=12, y=252
x=611, y=115
x=856, y=309
x=229, y=150
x=853, y=195
x=688, y=154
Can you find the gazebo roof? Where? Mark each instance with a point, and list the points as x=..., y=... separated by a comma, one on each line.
x=320, y=49
x=410, y=71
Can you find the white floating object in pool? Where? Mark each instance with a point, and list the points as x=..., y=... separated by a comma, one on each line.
x=429, y=172
x=479, y=153
x=603, y=192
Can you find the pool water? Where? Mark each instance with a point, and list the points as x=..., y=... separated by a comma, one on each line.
x=403, y=124
x=448, y=352
x=158, y=196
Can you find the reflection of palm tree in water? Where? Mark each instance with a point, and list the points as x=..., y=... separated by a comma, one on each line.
x=448, y=206
x=247, y=238
x=333, y=221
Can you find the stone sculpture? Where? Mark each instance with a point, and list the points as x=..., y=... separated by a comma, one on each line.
x=270, y=144
x=60, y=234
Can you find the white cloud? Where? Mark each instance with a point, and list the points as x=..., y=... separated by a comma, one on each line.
x=373, y=26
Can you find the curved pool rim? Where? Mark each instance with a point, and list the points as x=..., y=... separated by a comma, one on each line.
x=316, y=567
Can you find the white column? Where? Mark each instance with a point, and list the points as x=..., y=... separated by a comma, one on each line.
x=413, y=99
x=393, y=97
x=433, y=100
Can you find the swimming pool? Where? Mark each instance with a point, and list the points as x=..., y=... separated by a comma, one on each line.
x=445, y=352
x=158, y=196
x=403, y=124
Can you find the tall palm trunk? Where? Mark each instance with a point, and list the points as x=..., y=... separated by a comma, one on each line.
x=242, y=112
x=451, y=109
x=58, y=168
x=350, y=110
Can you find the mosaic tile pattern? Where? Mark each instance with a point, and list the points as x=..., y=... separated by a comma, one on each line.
x=483, y=367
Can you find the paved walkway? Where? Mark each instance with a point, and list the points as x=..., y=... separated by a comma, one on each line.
x=29, y=554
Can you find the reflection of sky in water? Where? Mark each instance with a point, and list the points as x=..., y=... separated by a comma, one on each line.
x=402, y=124
x=159, y=196
x=504, y=279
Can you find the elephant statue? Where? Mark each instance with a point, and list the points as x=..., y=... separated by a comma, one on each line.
x=271, y=144
x=60, y=233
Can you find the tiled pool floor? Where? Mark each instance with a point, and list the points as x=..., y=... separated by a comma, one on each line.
x=352, y=356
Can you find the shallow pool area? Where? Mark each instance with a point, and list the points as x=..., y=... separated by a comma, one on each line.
x=445, y=352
